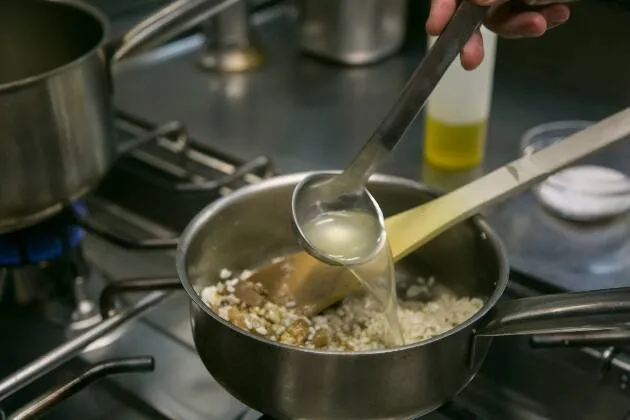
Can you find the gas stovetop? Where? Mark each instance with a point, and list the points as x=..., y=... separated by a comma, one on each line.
x=128, y=230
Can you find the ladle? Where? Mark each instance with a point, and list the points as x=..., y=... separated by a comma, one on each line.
x=313, y=286
x=319, y=194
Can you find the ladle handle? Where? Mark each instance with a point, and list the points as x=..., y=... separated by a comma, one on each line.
x=416, y=92
x=411, y=229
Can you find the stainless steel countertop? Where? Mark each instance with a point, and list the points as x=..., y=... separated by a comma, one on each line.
x=306, y=114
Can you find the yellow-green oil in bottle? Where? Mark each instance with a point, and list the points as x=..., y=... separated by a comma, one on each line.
x=454, y=146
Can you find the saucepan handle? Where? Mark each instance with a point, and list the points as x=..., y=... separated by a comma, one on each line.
x=598, y=310
x=166, y=24
x=601, y=338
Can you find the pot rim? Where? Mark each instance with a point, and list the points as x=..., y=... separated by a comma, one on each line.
x=89, y=10
x=190, y=232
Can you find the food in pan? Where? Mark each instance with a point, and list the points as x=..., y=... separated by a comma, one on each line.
x=355, y=324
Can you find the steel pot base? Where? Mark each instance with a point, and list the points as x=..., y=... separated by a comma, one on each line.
x=32, y=219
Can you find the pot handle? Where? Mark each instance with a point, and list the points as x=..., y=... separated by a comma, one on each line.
x=560, y=313
x=166, y=24
x=601, y=338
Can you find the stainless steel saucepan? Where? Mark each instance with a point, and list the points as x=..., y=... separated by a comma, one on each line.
x=57, y=138
x=253, y=225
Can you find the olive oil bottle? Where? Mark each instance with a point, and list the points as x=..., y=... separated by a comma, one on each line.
x=456, y=115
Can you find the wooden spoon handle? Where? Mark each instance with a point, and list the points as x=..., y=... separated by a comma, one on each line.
x=413, y=228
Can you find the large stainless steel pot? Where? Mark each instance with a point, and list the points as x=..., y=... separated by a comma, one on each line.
x=56, y=123
x=251, y=226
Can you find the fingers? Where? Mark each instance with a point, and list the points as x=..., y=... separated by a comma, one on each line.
x=506, y=18
x=509, y=24
x=439, y=15
x=509, y=21
x=556, y=14
x=442, y=10
x=472, y=53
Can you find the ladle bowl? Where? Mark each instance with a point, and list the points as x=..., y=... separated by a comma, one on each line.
x=317, y=194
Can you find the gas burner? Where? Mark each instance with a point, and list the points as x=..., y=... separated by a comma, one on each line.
x=43, y=266
x=44, y=242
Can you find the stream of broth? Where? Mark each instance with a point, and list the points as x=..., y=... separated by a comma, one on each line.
x=350, y=236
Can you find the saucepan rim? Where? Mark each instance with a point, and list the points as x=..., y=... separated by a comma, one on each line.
x=90, y=11
x=190, y=233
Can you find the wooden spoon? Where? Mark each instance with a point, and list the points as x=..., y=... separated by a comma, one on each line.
x=311, y=286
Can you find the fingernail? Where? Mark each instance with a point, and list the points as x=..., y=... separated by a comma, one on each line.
x=554, y=24
x=532, y=31
x=558, y=20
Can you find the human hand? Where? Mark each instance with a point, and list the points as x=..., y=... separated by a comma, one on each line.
x=509, y=19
